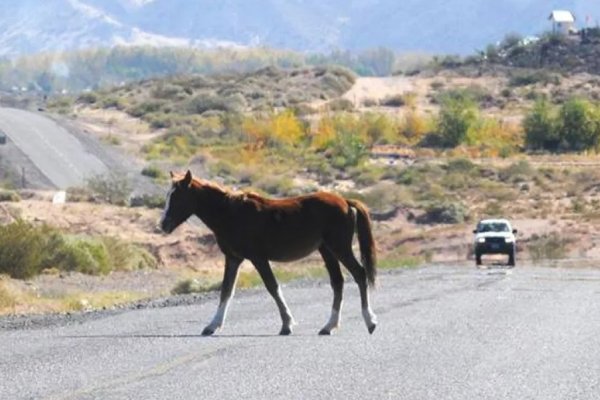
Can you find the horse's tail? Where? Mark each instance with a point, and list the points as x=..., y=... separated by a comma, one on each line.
x=365, y=240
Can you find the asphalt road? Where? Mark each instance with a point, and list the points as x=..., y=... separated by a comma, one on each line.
x=444, y=333
x=59, y=155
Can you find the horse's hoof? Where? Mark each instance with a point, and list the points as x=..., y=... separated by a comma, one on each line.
x=208, y=331
x=325, y=332
x=285, y=331
x=372, y=328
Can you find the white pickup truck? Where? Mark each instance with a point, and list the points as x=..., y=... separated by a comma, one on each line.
x=495, y=236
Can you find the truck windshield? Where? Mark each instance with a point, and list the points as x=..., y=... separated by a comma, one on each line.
x=493, y=227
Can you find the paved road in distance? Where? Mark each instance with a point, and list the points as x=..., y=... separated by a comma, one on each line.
x=51, y=148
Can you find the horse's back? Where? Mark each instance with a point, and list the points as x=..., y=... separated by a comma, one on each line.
x=291, y=228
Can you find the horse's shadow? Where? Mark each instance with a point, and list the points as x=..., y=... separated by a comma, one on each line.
x=178, y=336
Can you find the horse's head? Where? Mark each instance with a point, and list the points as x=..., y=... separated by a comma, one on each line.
x=179, y=204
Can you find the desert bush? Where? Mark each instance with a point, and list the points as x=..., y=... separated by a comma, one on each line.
x=378, y=128
x=154, y=172
x=26, y=250
x=461, y=166
x=578, y=125
x=366, y=175
x=396, y=100
x=457, y=115
x=22, y=248
x=370, y=102
x=384, y=196
x=7, y=298
x=303, y=109
x=167, y=91
x=145, y=107
x=148, y=200
x=88, y=98
x=280, y=128
x=539, y=128
x=9, y=195
x=207, y=102
x=112, y=187
x=276, y=185
x=160, y=120
x=533, y=77
x=125, y=256
x=494, y=136
x=118, y=103
x=444, y=213
x=189, y=286
x=517, y=172
x=349, y=150
x=549, y=246
x=79, y=254
x=414, y=126
x=340, y=104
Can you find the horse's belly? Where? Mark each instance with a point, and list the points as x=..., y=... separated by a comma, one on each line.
x=292, y=250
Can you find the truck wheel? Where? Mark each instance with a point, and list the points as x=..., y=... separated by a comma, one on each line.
x=477, y=259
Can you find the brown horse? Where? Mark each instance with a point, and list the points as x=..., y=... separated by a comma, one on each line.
x=248, y=226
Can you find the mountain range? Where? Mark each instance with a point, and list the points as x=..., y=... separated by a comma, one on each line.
x=434, y=26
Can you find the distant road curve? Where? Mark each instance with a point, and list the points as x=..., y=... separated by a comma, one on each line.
x=59, y=155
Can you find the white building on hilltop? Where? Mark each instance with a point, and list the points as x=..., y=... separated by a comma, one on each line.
x=562, y=22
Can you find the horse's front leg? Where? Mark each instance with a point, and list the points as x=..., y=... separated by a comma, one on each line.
x=232, y=266
x=266, y=273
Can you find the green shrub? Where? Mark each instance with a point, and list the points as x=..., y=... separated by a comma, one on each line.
x=348, y=150
x=152, y=171
x=88, y=98
x=235, y=103
x=124, y=256
x=444, y=213
x=26, y=250
x=9, y=195
x=457, y=115
x=148, y=200
x=81, y=255
x=549, y=246
x=340, y=105
x=118, y=103
x=159, y=120
x=578, y=125
x=22, y=248
x=193, y=286
x=539, y=127
x=146, y=107
x=276, y=185
x=517, y=172
x=530, y=78
x=7, y=299
x=113, y=188
x=461, y=165
x=396, y=100
x=167, y=91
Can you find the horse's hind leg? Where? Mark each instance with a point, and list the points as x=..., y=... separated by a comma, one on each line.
x=359, y=274
x=337, y=284
x=232, y=265
x=266, y=273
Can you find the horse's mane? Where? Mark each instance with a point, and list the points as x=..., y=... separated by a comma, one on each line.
x=233, y=195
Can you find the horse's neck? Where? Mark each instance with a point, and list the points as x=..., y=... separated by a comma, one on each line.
x=211, y=208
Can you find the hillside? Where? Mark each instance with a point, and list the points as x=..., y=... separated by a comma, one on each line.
x=284, y=132
x=439, y=26
x=571, y=55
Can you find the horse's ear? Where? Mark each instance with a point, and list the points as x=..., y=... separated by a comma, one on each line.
x=172, y=174
x=187, y=180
